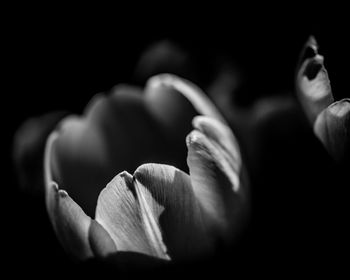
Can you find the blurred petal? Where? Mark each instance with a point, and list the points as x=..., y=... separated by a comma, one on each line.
x=216, y=176
x=224, y=86
x=312, y=82
x=332, y=127
x=164, y=57
x=28, y=150
x=69, y=221
x=119, y=213
x=170, y=210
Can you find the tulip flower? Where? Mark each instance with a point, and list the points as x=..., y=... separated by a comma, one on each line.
x=98, y=209
x=330, y=120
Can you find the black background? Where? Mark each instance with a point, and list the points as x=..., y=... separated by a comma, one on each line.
x=57, y=60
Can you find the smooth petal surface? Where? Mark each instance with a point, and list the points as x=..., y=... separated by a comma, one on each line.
x=69, y=221
x=119, y=212
x=312, y=82
x=332, y=127
x=216, y=175
x=171, y=211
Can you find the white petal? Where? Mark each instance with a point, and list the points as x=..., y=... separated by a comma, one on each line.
x=332, y=127
x=221, y=135
x=312, y=83
x=171, y=212
x=70, y=222
x=119, y=213
x=216, y=176
x=174, y=102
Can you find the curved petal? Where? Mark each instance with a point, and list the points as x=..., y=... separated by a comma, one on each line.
x=119, y=213
x=69, y=221
x=174, y=102
x=215, y=169
x=170, y=210
x=115, y=133
x=332, y=127
x=221, y=136
x=81, y=236
x=80, y=161
x=312, y=82
x=171, y=98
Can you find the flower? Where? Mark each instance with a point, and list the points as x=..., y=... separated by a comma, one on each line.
x=330, y=120
x=160, y=210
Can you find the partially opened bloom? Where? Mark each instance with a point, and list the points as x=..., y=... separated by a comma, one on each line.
x=99, y=209
x=330, y=120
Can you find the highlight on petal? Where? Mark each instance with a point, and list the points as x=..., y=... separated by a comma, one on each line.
x=69, y=221
x=172, y=100
x=119, y=212
x=312, y=82
x=332, y=127
x=216, y=172
x=80, y=162
x=80, y=236
x=167, y=202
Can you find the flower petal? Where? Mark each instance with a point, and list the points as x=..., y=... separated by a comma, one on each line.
x=171, y=97
x=221, y=136
x=69, y=221
x=216, y=176
x=80, y=161
x=170, y=211
x=312, y=82
x=119, y=213
x=115, y=133
x=332, y=127
x=174, y=102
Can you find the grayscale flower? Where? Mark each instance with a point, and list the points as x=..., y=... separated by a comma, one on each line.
x=98, y=209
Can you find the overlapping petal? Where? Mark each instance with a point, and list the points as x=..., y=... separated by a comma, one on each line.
x=148, y=126
x=216, y=174
x=160, y=211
